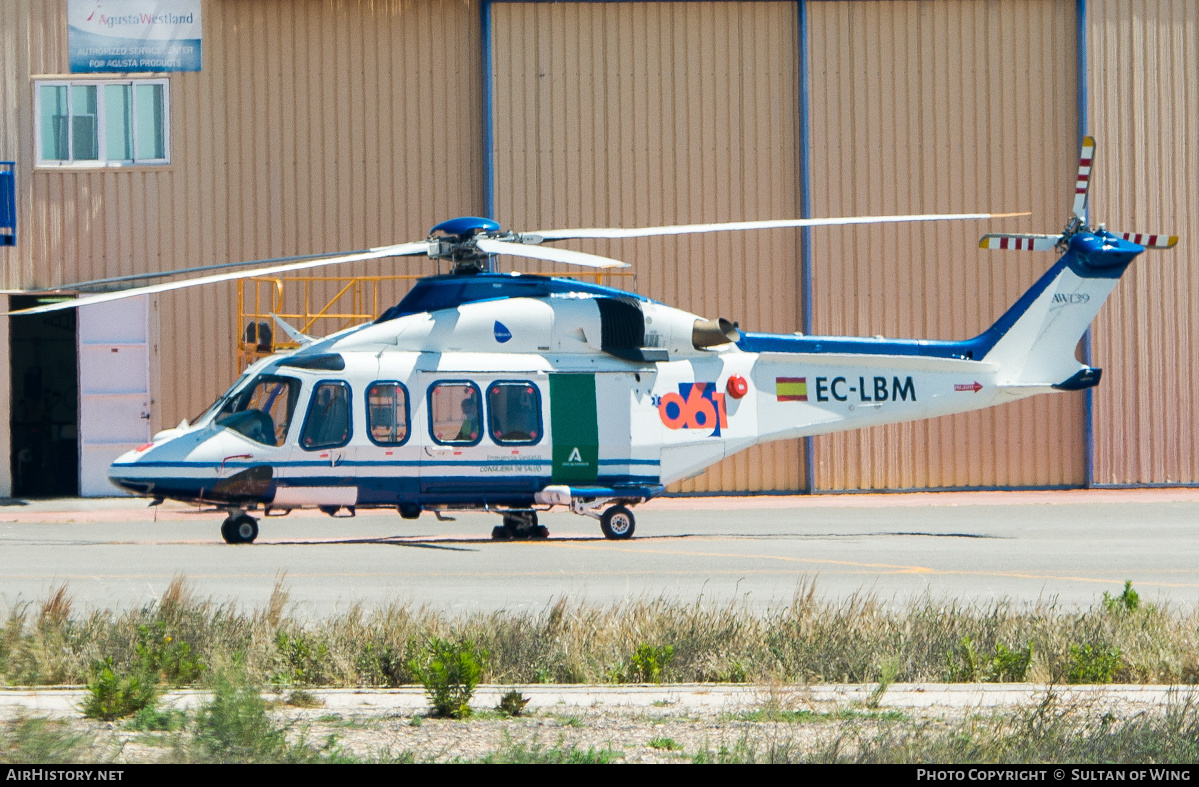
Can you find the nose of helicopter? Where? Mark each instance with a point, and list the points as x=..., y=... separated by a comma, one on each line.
x=127, y=471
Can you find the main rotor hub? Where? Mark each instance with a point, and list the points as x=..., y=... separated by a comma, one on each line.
x=456, y=243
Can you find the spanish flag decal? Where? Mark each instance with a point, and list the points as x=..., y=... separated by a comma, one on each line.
x=791, y=389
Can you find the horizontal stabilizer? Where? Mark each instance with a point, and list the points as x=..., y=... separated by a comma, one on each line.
x=1151, y=241
x=1019, y=242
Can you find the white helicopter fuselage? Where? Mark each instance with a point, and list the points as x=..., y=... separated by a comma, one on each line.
x=616, y=396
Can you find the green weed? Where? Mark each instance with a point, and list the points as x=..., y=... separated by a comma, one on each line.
x=303, y=662
x=1003, y=665
x=114, y=695
x=450, y=671
x=234, y=726
x=887, y=673
x=1128, y=601
x=647, y=664
x=166, y=658
x=152, y=719
x=512, y=703
x=1089, y=665
x=665, y=744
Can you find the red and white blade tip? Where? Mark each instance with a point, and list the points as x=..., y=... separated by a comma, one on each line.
x=1019, y=242
x=1084, y=177
x=1151, y=241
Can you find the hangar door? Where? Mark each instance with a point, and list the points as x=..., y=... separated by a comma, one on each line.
x=941, y=108
x=635, y=114
x=114, y=388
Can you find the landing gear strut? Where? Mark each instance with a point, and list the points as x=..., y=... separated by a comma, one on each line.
x=520, y=525
x=239, y=528
x=616, y=521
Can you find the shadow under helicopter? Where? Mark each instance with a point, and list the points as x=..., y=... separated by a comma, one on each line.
x=448, y=542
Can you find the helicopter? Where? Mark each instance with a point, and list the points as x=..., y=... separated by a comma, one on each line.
x=515, y=393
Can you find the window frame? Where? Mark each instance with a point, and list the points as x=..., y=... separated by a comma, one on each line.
x=491, y=413
x=407, y=413
x=308, y=415
x=293, y=383
x=40, y=161
x=482, y=420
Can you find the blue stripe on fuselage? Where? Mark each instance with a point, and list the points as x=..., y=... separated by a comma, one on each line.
x=392, y=490
x=970, y=349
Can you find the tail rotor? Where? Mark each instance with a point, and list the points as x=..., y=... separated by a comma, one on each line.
x=1077, y=222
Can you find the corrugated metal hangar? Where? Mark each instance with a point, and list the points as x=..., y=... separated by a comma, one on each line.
x=324, y=125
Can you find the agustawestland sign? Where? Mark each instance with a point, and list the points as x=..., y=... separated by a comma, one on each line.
x=107, y=36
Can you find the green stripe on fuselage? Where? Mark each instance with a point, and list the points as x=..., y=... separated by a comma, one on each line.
x=575, y=427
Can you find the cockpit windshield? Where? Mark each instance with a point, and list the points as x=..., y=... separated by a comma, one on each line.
x=219, y=401
x=262, y=411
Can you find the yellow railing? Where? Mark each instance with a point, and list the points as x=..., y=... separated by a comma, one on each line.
x=305, y=304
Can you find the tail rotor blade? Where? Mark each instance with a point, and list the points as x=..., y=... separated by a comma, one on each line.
x=1083, y=185
x=1151, y=241
x=1019, y=242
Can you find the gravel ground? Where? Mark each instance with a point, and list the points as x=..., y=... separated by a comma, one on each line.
x=631, y=724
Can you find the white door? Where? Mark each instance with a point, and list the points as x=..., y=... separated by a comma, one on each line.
x=114, y=388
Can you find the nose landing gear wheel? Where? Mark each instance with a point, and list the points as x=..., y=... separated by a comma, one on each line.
x=241, y=529
x=618, y=523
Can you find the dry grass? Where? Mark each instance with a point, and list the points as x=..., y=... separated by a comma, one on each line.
x=809, y=640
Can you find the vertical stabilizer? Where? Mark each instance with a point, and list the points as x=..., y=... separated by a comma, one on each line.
x=1034, y=342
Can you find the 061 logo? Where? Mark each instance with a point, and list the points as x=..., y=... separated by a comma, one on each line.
x=695, y=406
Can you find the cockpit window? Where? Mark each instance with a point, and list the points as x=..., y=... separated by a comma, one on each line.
x=328, y=421
x=515, y=410
x=262, y=411
x=220, y=400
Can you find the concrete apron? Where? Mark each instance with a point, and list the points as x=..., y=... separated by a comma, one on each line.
x=698, y=697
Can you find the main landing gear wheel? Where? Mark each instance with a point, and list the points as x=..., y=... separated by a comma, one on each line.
x=618, y=523
x=242, y=529
x=520, y=525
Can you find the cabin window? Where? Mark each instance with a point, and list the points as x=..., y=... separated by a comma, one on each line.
x=262, y=411
x=455, y=413
x=515, y=411
x=328, y=421
x=102, y=123
x=387, y=413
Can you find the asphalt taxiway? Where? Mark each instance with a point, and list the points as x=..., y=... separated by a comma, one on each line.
x=975, y=547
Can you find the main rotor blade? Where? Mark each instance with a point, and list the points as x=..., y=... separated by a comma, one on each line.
x=1019, y=242
x=553, y=255
x=1083, y=185
x=201, y=269
x=399, y=250
x=687, y=229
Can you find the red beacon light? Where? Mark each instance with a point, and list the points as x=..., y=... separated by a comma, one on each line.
x=737, y=387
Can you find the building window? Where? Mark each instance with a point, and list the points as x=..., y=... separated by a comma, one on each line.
x=102, y=124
